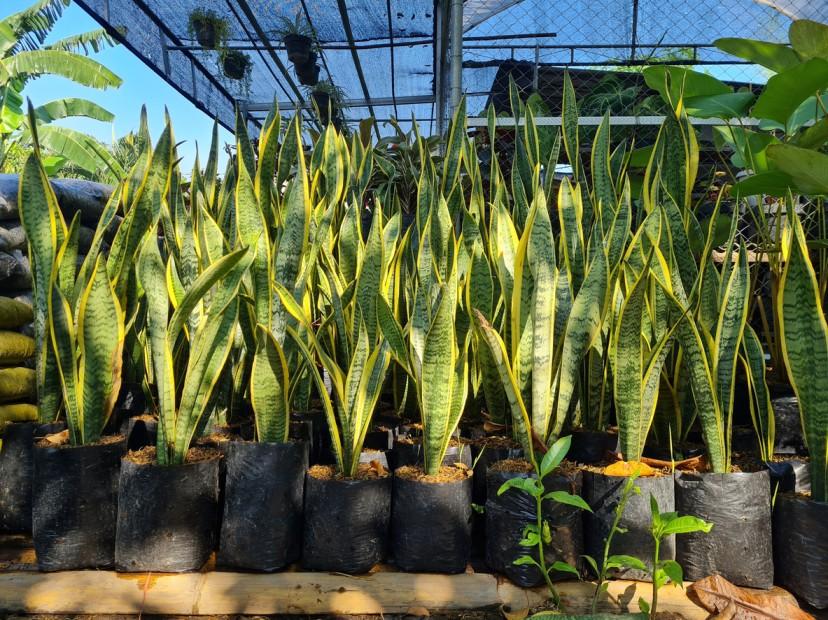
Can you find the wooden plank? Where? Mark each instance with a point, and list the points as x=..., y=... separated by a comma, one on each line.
x=226, y=593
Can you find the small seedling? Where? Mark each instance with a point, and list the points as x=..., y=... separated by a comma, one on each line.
x=611, y=562
x=661, y=526
x=537, y=535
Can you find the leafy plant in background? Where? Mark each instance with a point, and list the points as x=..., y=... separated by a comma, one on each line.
x=664, y=571
x=538, y=534
x=24, y=58
x=209, y=28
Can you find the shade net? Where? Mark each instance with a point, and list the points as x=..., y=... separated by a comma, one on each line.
x=382, y=52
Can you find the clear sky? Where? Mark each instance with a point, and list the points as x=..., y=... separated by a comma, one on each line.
x=140, y=86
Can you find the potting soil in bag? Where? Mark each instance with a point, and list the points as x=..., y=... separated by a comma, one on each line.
x=73, y=195
x=739, y=547
x=15, y=348
x=346, y=521
x=17, y=384
x=603, y=494
x=167, y=515
x=800, y=547
x=12, y=237
x=431, y=520
x=17, y=412
x=261, y=527
x=74, y=504
x=507, y=516
x=14, y=313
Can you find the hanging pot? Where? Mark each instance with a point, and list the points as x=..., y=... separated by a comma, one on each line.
x=507, y=516
x=261, y=528
x=235, y=65
x=431, y=520
x=74, y=504
x=603, y=494
x=346, y=520
x=800, y=547
x=739, y=547
x=205, y=32
x=308, y=72
x=167, y=515
x=298, y=48
x=16, y=470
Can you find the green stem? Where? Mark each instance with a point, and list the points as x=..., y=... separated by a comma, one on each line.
x=619, y=512
x=541, y=552
x=654, y=606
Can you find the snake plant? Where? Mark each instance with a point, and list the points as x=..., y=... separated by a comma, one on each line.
x=186, y=386
x=804, y=335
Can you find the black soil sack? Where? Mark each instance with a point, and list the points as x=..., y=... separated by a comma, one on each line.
x=431, y=525
x=789, y=476
x=261, y=527
x=483, y=456
x=16, y=470
x=739, y=547
x=800, y=547
x=16, y=465
x=167, y=516
x=411, y=453
x=507, y=515
x=603, y=493
x=75, y=504
x=591, y=446
x=346, y=524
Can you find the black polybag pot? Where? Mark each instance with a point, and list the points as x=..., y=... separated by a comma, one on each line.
x=346, y=523
x=261, y=526
x=431, y=525
x=591, y=446
x=482, y=457
x=739, y=547
x=74, y=505
x=298, y=48
x=507, y=516
x=412, y=453
x=308, y=71
x=167, y=516
x=789, y=476
x=603, y=494
x=800, y=547
x=16, y=470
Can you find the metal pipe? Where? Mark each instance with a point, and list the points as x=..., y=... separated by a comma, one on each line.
x=456, y=53
x=347, y=103
x=439, y=64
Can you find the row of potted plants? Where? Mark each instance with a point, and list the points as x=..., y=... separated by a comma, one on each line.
x=622, y=308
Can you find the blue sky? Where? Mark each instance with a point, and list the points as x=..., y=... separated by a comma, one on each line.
x=140, y=85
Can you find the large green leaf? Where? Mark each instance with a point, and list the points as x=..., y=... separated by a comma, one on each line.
x=269, y=389
x=675, y=83
x=809, y=38
x=807, y=168
x=80, y=69
x=775, y=56
x=786, y=91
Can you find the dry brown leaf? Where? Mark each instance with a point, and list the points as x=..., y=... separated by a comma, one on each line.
x=378, y=467
x=716, y=594
x=628, y=468
x=421, y=612
x=58, y=438
x=513, y=614
x=697, y=463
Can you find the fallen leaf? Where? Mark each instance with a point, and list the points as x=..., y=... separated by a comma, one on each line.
x=378, y=467
x=513, y=614
x=717, y=595
x=417, y=611
x=628, y=468
x=58, y=438
x=696, y=463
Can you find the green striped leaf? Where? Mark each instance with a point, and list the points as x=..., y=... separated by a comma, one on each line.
x=270, y=388
x=804, y=336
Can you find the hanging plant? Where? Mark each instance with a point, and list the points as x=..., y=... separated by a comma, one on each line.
x=297, y=35
x=236, y=65
x=210, y=30
x=327, y=97
x=308, y=73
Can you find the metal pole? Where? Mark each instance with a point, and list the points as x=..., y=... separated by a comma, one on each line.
x=439, y=66
x=456, y=53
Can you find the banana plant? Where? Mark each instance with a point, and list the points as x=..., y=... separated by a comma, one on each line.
x=804, y=335
x=185, y=388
